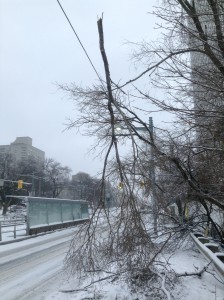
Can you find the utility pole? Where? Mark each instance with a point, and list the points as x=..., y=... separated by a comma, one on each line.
x=152, y=177
x=151, y=171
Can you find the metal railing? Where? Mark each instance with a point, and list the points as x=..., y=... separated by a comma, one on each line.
x=210, y=251
x=11, y=225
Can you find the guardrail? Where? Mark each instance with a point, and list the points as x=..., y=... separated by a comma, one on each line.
x=211, y=252
x=11, y=226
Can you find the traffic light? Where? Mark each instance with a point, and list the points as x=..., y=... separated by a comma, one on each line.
x=120, y=185
x=20, y=184
x=186, y=212
x=142, y=183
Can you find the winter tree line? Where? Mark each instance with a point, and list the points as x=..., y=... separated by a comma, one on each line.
x=49, y=179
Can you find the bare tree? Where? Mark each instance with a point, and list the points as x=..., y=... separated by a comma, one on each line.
x=12, y=171
x=86, y=187
x=56, y=178
x=182, y=154
x=125, y=243
x=7, y=166
x=188, y=67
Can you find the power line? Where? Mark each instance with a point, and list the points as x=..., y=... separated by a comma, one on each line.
x=80, y=42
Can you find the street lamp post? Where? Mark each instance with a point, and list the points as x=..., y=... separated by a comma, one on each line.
x=153, y=180
x=151, y=174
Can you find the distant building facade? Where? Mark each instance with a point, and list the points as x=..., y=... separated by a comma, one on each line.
x=21, y=149
x=207, y=79
x=208, y=94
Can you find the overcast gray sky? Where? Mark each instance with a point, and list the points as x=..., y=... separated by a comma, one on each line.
x=39, y=49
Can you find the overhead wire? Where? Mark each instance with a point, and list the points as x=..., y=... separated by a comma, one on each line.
x=80, y=43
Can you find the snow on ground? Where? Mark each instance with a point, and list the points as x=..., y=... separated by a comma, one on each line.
x=62, y=286
x=186, y=288
x=10, y=223
x=206, y=287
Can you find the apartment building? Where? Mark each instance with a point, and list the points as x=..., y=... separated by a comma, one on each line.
x=207, y=80
x=22, y=148
x=207, y=65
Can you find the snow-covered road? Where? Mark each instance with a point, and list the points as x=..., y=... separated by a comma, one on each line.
x=27, y=265
x=33, y=270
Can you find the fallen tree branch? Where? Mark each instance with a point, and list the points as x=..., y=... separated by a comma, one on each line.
x=85, y=287
x=163, y=287
x=195, y=273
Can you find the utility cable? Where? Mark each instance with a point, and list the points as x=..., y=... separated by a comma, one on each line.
x=80, y=43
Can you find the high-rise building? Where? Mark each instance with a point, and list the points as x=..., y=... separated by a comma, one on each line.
x=206, y=41
x=21, y=149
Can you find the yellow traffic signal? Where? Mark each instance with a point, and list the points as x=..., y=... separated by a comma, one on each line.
x=186, y=212
x=142, y=184
x=120, y=185
x=20, y=184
